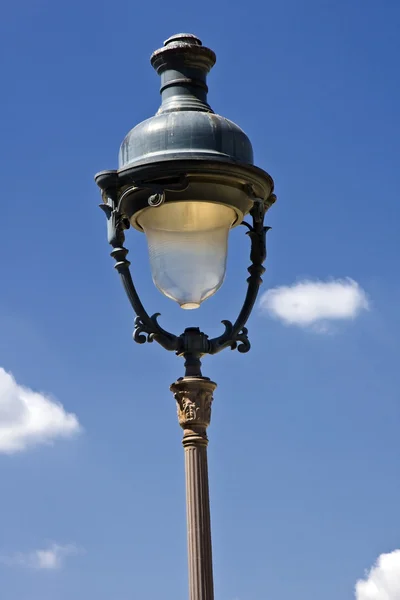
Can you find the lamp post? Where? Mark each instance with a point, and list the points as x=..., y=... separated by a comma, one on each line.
x=185, y=178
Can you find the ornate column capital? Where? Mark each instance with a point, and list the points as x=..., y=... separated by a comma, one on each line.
x=194, y=396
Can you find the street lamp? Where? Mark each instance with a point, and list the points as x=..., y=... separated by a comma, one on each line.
x=185, y=178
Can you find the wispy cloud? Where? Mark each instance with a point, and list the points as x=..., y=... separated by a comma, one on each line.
x=314, y=304
x=50, y=558
x=382, y=582
x=28, y=418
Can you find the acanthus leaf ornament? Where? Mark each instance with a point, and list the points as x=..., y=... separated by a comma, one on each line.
x=194, y=397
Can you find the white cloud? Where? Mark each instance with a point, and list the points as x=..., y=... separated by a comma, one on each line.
x=315, y=303
x=28, y=418
x=49, y=559
x=383, y=580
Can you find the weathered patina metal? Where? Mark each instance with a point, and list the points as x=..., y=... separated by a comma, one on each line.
x=185, y=125
x=183, y=152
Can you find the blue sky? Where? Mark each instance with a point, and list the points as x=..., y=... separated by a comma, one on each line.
x=304, y=445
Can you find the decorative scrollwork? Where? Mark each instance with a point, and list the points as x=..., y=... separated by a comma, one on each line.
x=146, y=327
x=141, y=334
x=236, y=335
x=150, y=330
x=237, y=339
x=192, y=344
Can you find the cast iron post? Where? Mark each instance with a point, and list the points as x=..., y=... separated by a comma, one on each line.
x=194, y=396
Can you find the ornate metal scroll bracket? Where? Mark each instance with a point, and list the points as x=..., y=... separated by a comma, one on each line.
x=192, y=344
x=146, y=327
x=233, y=338
x=257, y=233
x=235, y=335
x=148, y=331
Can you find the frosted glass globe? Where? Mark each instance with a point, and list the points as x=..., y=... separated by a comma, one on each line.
x=188, y=244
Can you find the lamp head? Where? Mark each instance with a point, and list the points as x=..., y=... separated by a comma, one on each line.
x=186, y=177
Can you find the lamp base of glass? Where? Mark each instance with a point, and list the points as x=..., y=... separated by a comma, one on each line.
x=190, y=305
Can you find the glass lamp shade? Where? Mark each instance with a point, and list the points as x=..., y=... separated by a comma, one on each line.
x=188, y=244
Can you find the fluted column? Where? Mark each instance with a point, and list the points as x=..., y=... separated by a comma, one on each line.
x=194, y=396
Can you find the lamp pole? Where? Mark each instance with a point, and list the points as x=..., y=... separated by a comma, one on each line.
x=194, y=396
x=186, y=177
